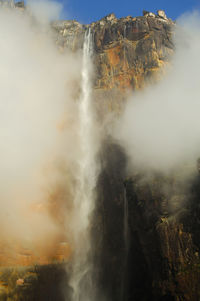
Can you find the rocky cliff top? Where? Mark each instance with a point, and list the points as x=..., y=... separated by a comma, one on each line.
x=127, y=51
x=110, y=28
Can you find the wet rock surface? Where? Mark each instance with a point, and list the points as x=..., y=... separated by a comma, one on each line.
x=162, y=261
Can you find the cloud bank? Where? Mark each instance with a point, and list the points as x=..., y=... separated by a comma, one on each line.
x=38, y=130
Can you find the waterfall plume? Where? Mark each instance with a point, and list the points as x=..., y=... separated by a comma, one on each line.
x=84, y=200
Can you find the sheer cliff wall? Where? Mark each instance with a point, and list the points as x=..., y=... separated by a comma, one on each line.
x=129, y=53
x=161, y=259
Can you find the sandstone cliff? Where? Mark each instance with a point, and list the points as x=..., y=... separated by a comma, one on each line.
x=128, y=52
x=161, y=259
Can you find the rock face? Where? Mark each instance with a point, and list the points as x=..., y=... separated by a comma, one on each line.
x=128, y=52
x=144, y=249
x=165, y=248
x=162, y=259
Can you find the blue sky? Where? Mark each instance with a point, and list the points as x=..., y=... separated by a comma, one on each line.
x=86, y=11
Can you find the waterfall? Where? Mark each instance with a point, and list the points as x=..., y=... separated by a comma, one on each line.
x=81, y=276
x=126, y=213
x=126, y=247
x=124, y=63
x=126, y=226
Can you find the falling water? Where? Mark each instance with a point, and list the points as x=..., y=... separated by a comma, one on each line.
x=81, y=276
x=126, y=213
x=125, y=217
x=126, y=247
x=126, y=226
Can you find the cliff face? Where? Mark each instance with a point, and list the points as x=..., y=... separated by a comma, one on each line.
x=129, y=53
x=148, y=241
x=130, y=50
x=166, y=247
x=151, y=248
x=158, y=256
x=143, y=251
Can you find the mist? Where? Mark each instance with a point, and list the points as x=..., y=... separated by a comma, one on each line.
x=160, y=126
x=44, y=10
x=39, y=133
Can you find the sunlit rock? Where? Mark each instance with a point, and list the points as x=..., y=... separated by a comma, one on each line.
x=148, y=14
x=161, y=14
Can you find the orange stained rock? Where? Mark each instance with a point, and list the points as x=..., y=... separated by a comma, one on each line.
x=17, y=255
x=20, y=282
x=113, y=55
